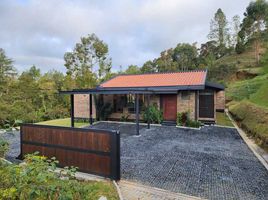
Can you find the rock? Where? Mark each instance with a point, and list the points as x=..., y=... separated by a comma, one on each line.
x=102, y=198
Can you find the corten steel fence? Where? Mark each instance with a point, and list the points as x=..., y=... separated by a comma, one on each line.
x=93, y=151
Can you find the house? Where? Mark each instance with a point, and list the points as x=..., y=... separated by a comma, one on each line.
x=187, y=91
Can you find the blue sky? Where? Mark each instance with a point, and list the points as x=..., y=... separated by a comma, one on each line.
x=40, y=32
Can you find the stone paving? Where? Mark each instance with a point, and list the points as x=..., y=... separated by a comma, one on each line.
x=212, y=163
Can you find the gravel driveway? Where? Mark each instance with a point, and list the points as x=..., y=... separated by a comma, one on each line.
x=212, y=163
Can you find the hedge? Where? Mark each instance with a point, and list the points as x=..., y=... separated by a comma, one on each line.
x=253, y=119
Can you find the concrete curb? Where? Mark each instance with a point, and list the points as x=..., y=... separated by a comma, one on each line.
x=250, y=143
x=185, y=127
x=118, y=190
x=221, y=126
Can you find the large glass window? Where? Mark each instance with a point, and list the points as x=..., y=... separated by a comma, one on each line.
x=131, y=103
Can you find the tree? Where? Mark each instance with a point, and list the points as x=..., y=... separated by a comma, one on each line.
x=235, y=30
x=89, y=62
x=165, y=62
x=219, y=30
x=7, y=71
x=254, y=22
x=132, y=69
x=148, y=67
x=185, y=55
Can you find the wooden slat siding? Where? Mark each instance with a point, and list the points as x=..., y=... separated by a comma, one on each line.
x=92, y=150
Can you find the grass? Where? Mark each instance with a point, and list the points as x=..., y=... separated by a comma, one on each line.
x=223, y=120
x=63, y=122
x=253, y=119
x=254, y=90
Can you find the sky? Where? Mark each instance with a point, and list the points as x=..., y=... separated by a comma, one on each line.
x=40, y=32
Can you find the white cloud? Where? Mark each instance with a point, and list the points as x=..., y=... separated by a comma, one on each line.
x=40, y=32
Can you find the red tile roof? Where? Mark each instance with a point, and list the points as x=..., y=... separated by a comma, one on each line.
x=157, y=79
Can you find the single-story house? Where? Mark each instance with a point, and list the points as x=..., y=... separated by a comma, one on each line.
x=173, y=92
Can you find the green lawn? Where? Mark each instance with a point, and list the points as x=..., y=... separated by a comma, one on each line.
x=63, y=122
x=223, y=119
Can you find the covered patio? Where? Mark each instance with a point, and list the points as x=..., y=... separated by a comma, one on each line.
x=137, y=92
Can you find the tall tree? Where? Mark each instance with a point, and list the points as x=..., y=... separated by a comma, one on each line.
x=254, y=22
x=219, y=30
x=185, y=55
x=89, y=61
x=148, y=67
x=132, y=69
x=235, y=30
x=165, y=62
x=7, y=71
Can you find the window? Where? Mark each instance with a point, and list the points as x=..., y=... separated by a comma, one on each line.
x=131, y=103
x=119, y=102
x=185, y=95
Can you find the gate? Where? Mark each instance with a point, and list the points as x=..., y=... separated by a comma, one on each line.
x=94, y=151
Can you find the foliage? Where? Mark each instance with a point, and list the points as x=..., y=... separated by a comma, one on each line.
x=132, y=69
x=148, y=67
x=36, y=179
x=219, y=30
x=153, y=114
x=87, y=55
x=103, y=109
x=253, y=119
x=4, y=146
x=183, y=119
x=221, y=72
x=254, y=22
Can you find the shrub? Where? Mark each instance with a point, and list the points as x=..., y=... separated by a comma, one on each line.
x=253, y=119
x=4, y=146
x=153, y=114
x=192, y=123
x=36, y=179
x=183, y=119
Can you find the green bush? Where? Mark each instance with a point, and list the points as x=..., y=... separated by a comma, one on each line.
x=194, y=124
x=4, y=146
x=36, y=179
x=153, y=114
x=183, y=119
x=253, y=119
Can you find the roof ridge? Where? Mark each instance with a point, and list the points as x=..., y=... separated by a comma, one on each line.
x=152, y=73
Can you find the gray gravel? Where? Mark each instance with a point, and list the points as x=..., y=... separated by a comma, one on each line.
x=212, y=163
x=13, y=137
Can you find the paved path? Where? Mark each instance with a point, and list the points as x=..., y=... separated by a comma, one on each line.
x=134, y=191
x=212, y=163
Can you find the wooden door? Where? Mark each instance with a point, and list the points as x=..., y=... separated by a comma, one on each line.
x=206, y=104
x=169, y=106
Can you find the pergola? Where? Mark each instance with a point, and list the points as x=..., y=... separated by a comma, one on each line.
x=135, y=91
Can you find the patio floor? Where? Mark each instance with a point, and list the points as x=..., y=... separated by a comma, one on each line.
x=212, y=163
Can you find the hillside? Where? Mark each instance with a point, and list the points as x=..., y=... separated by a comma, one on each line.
x=247, y=94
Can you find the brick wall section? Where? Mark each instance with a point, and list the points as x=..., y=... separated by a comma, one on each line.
x=81, y=106
x=220, y=100
x=187, y=105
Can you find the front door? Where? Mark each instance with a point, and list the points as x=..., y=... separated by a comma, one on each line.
x=169, y=106
x=206, y=104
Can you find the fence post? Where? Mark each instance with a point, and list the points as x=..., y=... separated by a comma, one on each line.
x=115, y=156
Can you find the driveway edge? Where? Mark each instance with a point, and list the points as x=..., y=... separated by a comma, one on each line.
x=250, y=143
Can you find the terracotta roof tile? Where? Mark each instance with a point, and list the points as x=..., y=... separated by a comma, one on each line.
x=157, y=79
